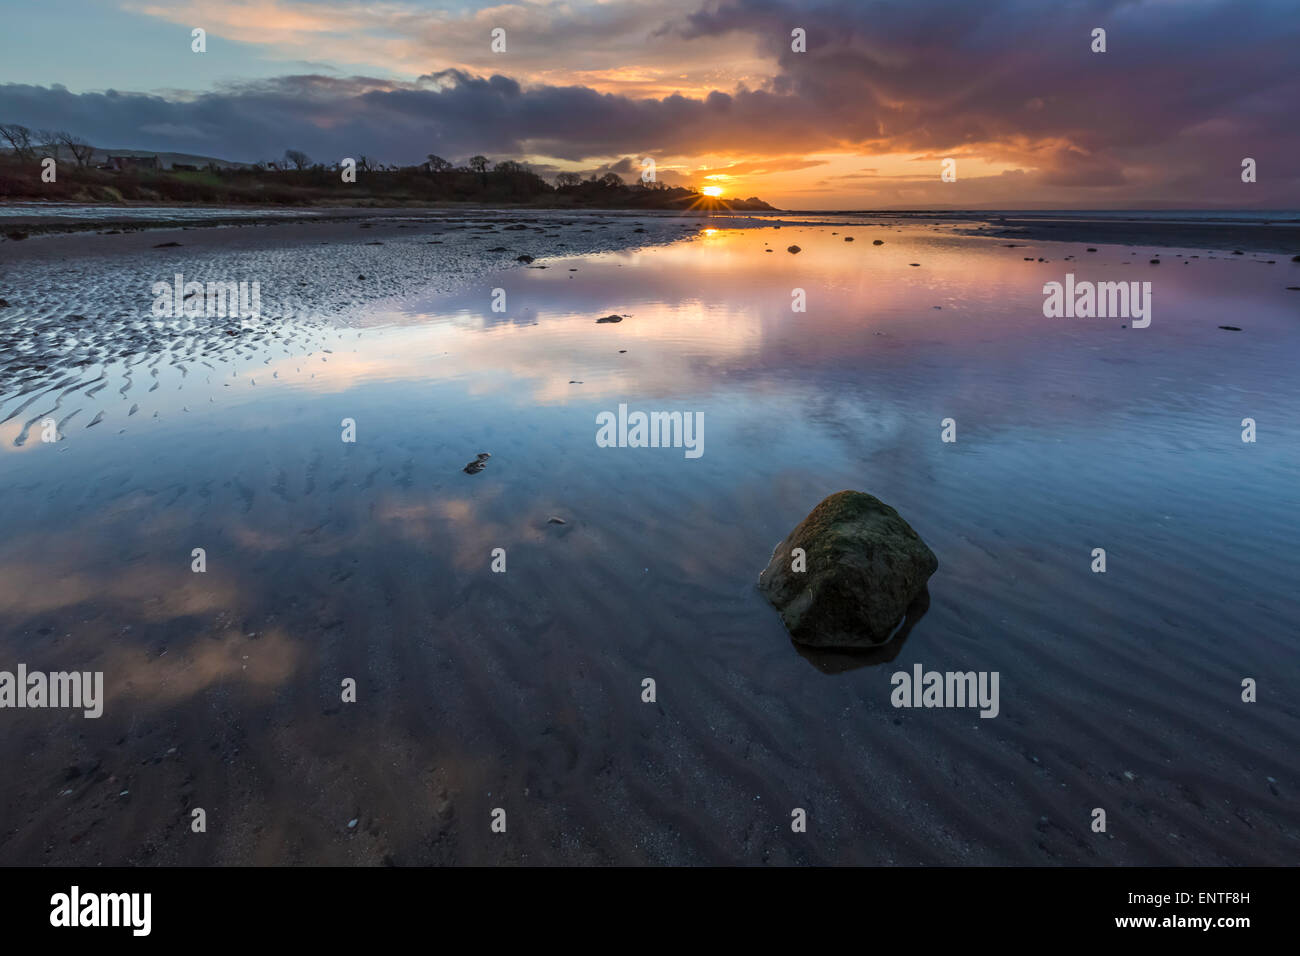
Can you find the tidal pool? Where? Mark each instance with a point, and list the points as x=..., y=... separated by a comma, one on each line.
x=372, y=560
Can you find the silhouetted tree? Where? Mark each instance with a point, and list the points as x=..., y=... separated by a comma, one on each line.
x=80, y=149
x=47, y=141
x=19, y=139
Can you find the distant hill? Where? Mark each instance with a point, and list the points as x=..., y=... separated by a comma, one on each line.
x=132, y=175
x=101, y=157
x=167, y=160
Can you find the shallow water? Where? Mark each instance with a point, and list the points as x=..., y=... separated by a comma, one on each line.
x=371, y=560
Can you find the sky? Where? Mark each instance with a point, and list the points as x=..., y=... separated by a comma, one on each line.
x=713, y=91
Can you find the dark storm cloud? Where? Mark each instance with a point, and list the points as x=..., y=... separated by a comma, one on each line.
x=1213, y=81
x=450, y=113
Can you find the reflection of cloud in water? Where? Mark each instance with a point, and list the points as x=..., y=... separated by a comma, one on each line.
x=9, y=432
x=151, y=592
x=261, y=664
x=488, y=320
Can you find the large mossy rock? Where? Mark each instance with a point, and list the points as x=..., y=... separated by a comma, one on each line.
x=864, y=567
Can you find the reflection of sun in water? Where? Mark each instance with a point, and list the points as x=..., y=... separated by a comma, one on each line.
x=712, y=190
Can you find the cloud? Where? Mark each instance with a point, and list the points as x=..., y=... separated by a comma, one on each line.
x=1015, y=81
x=1184, y=93
x=608, y=45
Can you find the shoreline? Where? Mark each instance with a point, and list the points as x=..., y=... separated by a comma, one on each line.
x=1277, y=236
x=116, y=216
x=1265, y=237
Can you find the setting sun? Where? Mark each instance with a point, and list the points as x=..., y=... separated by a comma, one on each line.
x=712, y=190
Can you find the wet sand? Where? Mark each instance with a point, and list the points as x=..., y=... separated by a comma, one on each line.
x=522, y=690
x=1268, y=236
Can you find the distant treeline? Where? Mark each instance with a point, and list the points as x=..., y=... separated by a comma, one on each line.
x=295, y=180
